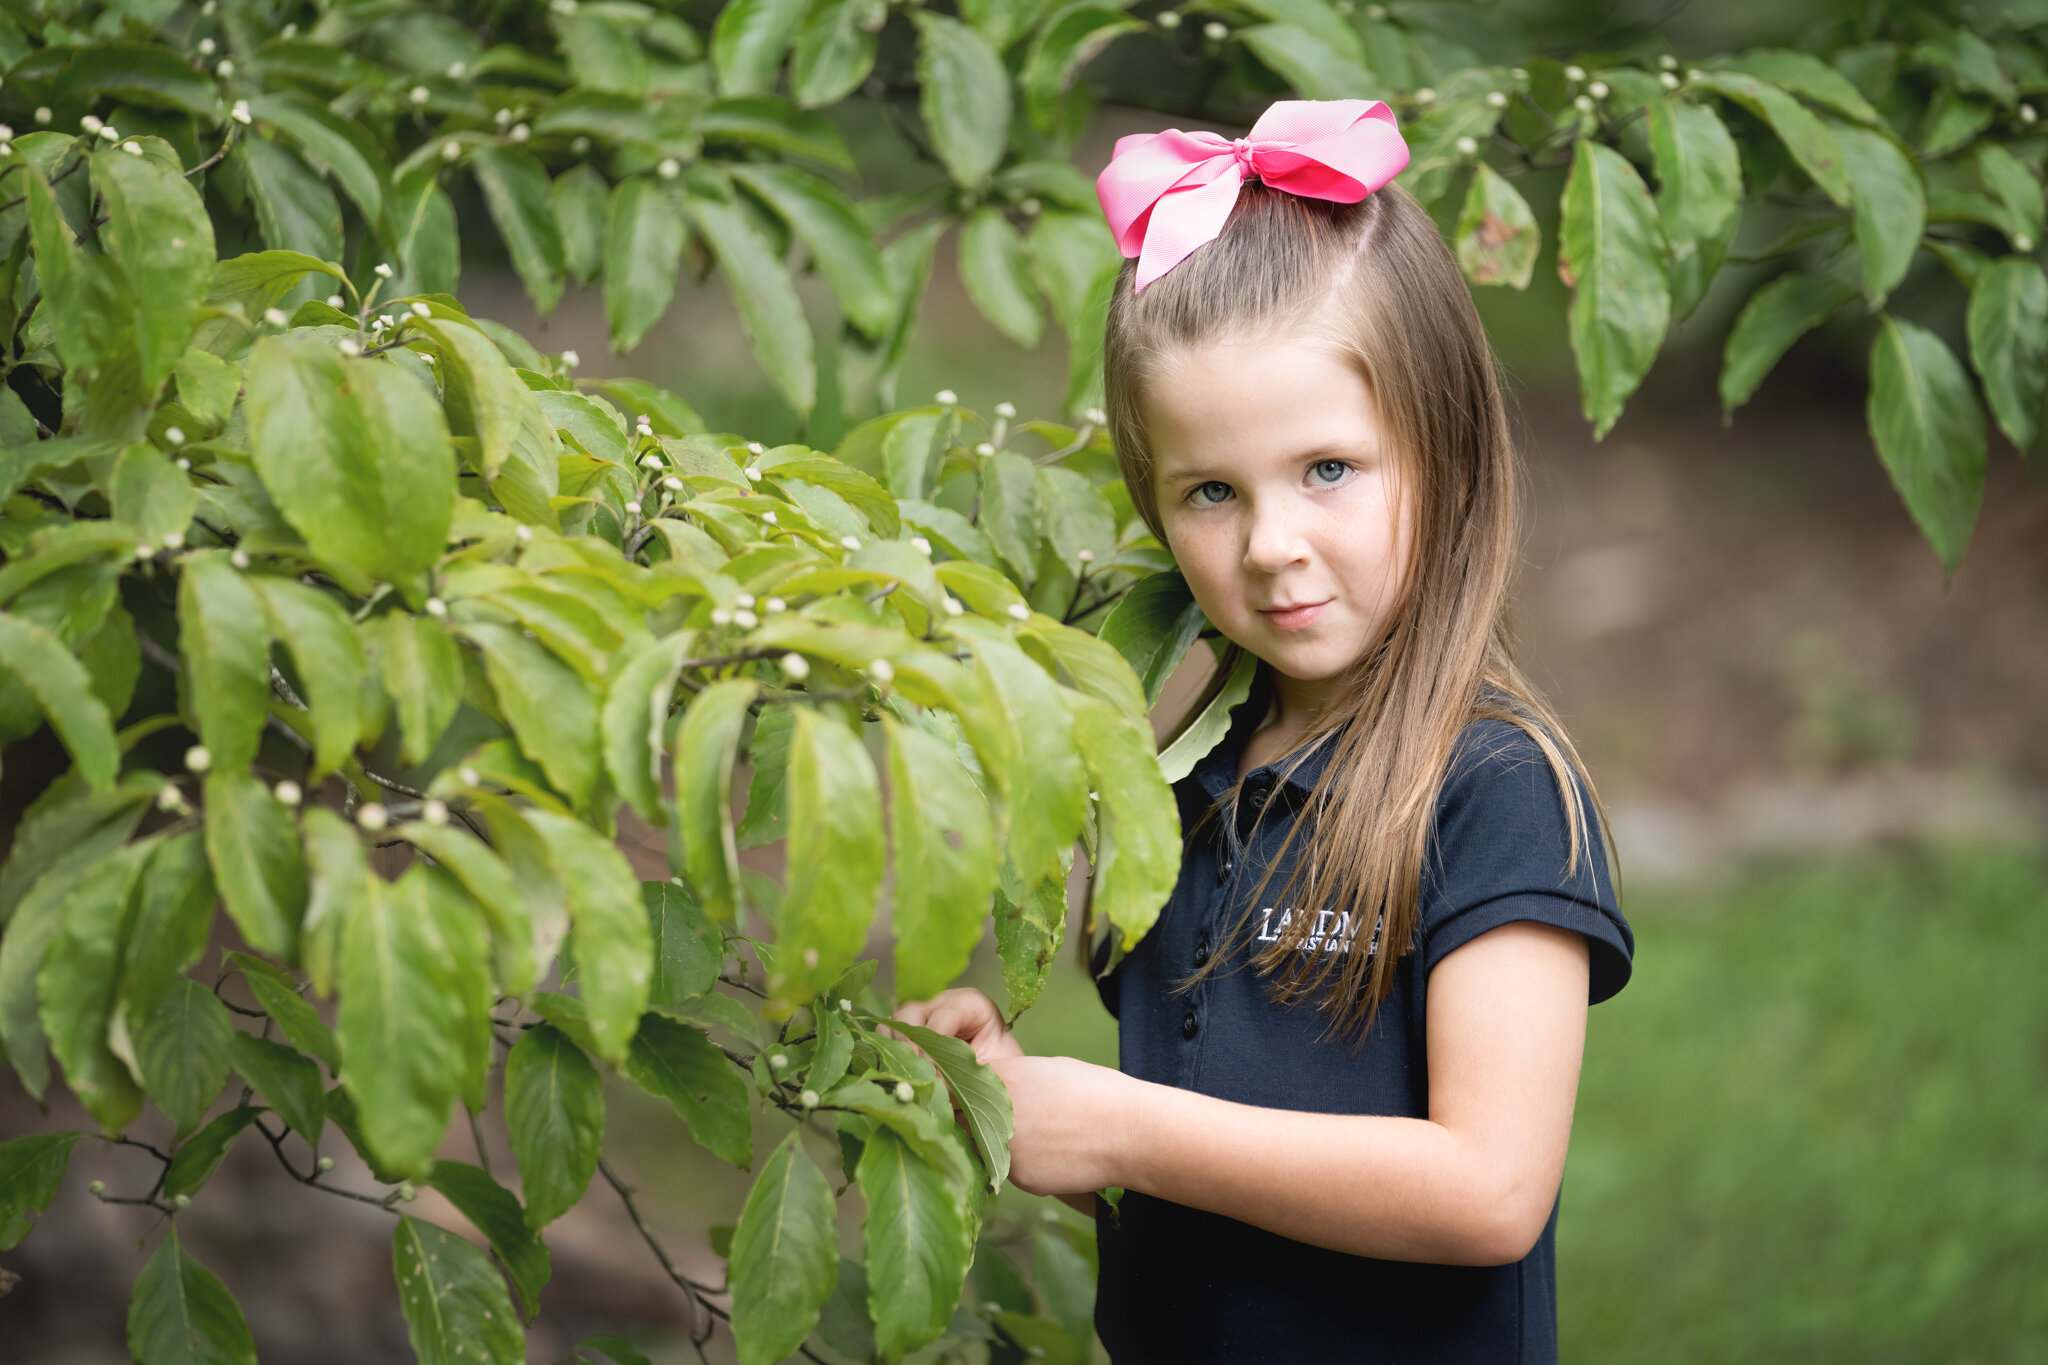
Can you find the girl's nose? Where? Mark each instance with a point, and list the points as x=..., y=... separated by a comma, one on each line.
x=1274, y=541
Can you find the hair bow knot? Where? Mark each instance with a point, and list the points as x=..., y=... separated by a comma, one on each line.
x=1167, y=193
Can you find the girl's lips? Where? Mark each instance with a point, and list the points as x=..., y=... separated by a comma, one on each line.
x=1294, y=618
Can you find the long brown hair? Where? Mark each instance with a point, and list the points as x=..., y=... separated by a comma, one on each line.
x=1375, y=281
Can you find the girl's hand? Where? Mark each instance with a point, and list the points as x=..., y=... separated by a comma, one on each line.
x=1073, y=1124
x=966, y=1014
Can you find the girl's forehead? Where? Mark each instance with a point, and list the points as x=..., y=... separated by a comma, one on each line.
x=1246, y=399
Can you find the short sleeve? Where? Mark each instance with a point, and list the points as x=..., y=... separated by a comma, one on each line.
x=1501, y=851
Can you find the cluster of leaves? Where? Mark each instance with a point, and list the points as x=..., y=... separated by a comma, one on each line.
x=363, y=625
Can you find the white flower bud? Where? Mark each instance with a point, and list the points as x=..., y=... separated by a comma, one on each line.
x=1085, y=556
x=2027, y=114
x=419, y=94
x=756, y=448
x=174, y=540
x=287, y=793
x=633, y=507
x=774, y=605
x=921, y=545
x=745, y=599
x=1018, y=611
x=882, y=671
x=406, y=1193
x=171, y=799
x=953, y=607
x=850, y=542
x=91, y=123
x=420, y=310
x=745, y=619
x=1598, y=90
x=904, y=1093
x=522, y=534
x=778, y=1062
x=43, y=115
x=181, y=1201
x=770, y=519
x=650, y=461
x=349, y=346
x=520, y=132
x=1096, y=417
x=644, y=428
x=240, y=559
x=435, y=812
x=1694, y=73
x=754, y=476
x=198, y=759
x=182, y=462
x=1584, y=104
x=1575, y=73
x=468, y=777
x=372, y=816
x=110, y=133
x=795, y=667
x=224, y=68
x=336, y=301
x=383, y=270
x=1006, y=410
x=720, y=616
x=1376, y=13
x=145, y=550
x=174, y=435
x=809, y=1099
x=672, y=484
x=1426, y=95
x=669, y=168
x=132, y=147
x=1668, y=62
x=501, y=117
x=1467, y=147
x=240, y=113
x=450, y=150
x=1668, y=79
x=1030, y=207
x=945, y=398
x=98, y=1187
x=845, y=1005
x=2020, y=242
x=436, y=608
x=811, y=958
x=1167, y=19
x=1214, y=31
x=570, y=360
x=984, y=449
x=324, y=1165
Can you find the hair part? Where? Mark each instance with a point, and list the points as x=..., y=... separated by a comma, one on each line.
x=1375, y=281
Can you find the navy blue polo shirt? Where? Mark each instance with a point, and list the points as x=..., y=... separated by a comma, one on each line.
x=1185, y=1286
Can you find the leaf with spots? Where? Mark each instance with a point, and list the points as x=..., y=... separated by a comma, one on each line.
x=457, y=1310
x=680, y=1064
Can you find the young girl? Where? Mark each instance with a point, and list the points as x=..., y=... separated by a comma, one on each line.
x=1350, y=1047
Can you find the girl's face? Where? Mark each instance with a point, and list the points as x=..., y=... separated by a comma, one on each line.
x=1284, y=501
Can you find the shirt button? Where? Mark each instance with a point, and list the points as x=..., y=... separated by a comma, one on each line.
x=1188, y=1025
x=1202, y=951
x=1223, y=871
x=1258, y=798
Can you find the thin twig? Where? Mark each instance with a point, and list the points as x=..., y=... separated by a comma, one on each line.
x=692, y=1289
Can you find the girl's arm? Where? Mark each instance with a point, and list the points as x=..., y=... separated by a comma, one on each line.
x=1473, y=1184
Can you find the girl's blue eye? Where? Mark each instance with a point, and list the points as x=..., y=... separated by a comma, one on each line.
x=1209, y=494
x=1328, y=471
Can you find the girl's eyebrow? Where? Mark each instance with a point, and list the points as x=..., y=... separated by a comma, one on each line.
x=1332, y=450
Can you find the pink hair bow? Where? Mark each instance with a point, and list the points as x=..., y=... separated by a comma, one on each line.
x=1167, y=193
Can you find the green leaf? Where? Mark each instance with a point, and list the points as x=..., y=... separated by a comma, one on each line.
x=667, y=413
x=1306, y=62
x=182, y=1052
x=158, y=231
x=1153, y=626
x=2008, y=326
x=1206, y=730
x=420, y=666
x=225, y=640
x=945, y=857
x=1138, y=844
x=1046, y=795
x=497, y=1215
x=688, y=947
x=337, y=876
x=785, y=1256
x=1929, y=432
x=1970, y=60
x=200, y=1155
x=963, y=95
x=257, y=863
x=207, y=385
x=1809, y=140
x=1076, y=36
x=1497, y=236
x=1066, y=1281
x=643, y=251
x=517, y=192
x=151, y=495
x=550, y=709
x=1028, y=937
x=173, y=913
x=31, y=1169
x=918, y=1240
x=770, y=311
x=2017, y=191
x=355, y=453
x=1077, y=263
x=455, y=1305
x=554, y=1112
x=1807, y=76
x=603, y=50
x=614, y=945
x=402, y=1019
x=424, y=236
x=181, y=1314
x=1699, y=173
x=330, y=663
x=997, y=273
x=1009, y=511
x=1891, y=207
x=830, y=228
x=977, y=1091
x=677, y=1063
x=636, y=707
x=278, y=994
x=63, y=690
x=245, y=286
x=835, y=50
x=579, y=196
x=283, y=1080
x=1320, y=20
x=80, y=982
x=295, y=211
x=705, y=749
x=330, y=144
x=768, y=755
x=748, y=41
x=835, y=858
x=484, y=397
x=515, y=934
x=1611, y=252
x=1092, y=666
x=1776, y=316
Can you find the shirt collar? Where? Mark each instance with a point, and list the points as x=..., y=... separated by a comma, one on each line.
x=1216, y=772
